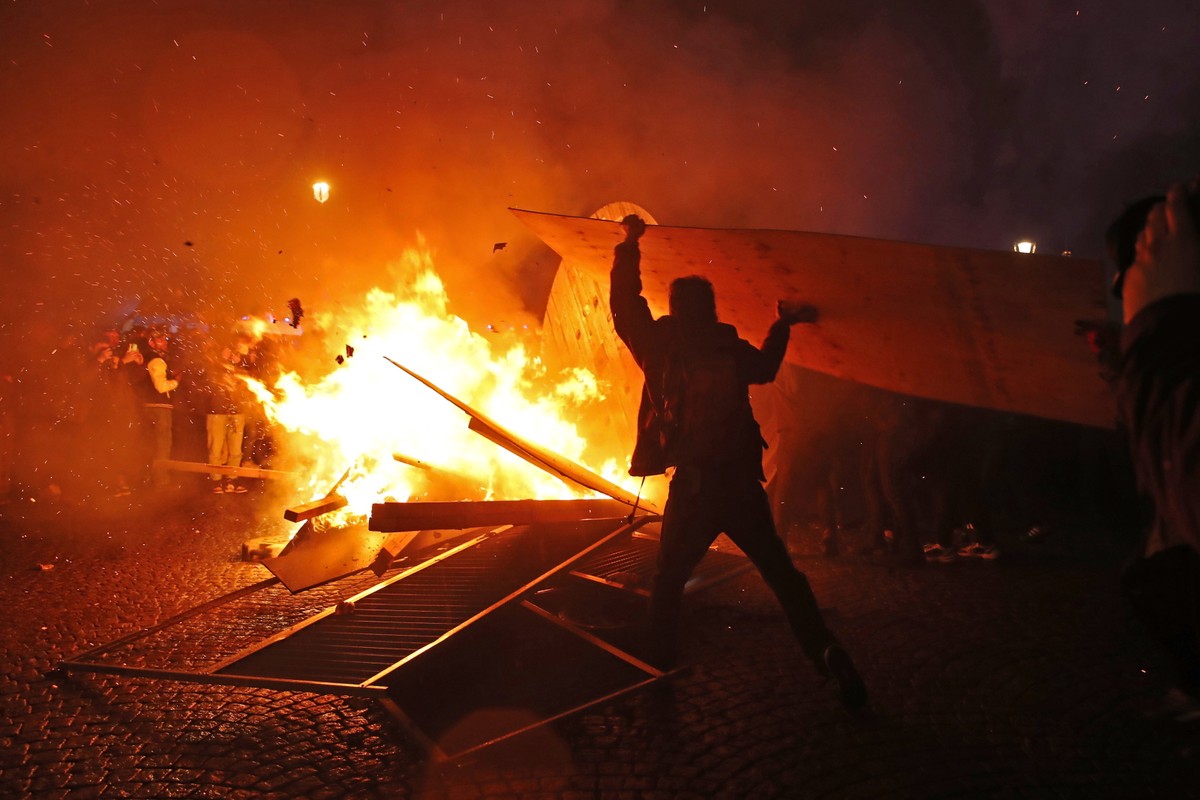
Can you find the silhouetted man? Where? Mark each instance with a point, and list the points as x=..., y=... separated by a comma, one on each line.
x=1158, y=391
x=695, y=416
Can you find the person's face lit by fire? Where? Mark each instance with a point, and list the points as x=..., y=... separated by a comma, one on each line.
x=105, y=356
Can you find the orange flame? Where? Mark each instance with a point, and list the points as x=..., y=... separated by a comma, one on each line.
x=360, y=414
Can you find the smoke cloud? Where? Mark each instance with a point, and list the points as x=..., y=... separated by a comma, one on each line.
x=161, y=155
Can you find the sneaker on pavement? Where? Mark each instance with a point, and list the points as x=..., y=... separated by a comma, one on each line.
x=851, y=689
x=988, y=552
x=940, y=553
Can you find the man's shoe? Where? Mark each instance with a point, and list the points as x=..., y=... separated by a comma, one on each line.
x=940, y=553
x=988, y=552
x=851, y=690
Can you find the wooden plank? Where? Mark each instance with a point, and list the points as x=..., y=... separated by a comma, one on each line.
x=562, y=468
x=449, y=482
x=417, y=516
x=229, y=472
x=323, y=556
x=988, y=329
x=307, y=528
x=314, y=508
x=556, y=465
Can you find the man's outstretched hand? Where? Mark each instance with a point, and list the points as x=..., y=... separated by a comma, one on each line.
x=634, y=227
x=793, y=312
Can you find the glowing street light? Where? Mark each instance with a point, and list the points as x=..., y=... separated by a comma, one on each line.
x=1025, y=247
x=320, y=191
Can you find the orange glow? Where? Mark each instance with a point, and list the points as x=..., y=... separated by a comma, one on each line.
x=364, y=410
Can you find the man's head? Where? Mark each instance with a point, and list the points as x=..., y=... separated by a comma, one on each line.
x=157, y=341
x=692, y=300
x=1165, y=259
x=103, y=351
x=1121, y=237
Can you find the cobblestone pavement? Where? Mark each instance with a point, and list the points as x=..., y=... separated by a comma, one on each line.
x=1014, y=678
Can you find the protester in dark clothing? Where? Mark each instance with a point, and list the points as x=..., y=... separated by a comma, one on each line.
x=258, y=362
x=933, y=463
x=114, y=418
x=225, y=422
x=156, y=387
x=814, y=426
x=8, y=434
x=127, y=416
x=695, y=416
x=1159, y=383
x=1158, y=393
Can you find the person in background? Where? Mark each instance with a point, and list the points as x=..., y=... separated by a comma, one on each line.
x=257, y=363
x=8, y=434
x=1158, y=399
x=111, y=418
x=225, y=423
x=157, y=420
x=695, y=416
x=127, y=416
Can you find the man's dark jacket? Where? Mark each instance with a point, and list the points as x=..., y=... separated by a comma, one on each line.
x=1158, y=392
x=660, y=345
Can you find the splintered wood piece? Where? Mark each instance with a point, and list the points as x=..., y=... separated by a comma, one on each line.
x=417, y=516
x=315, y=508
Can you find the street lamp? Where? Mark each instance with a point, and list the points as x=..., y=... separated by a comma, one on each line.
x=320, y=191
x=1025, y=247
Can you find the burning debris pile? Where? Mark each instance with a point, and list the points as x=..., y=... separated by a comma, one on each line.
x=378, y=434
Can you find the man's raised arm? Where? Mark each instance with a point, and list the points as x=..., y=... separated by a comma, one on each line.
x=631, y=313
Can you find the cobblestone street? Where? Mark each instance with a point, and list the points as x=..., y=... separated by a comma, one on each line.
x=1015, y=678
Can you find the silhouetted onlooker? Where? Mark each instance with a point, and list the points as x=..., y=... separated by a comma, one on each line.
x=114, y=418
x=225, y=423
x=8, y=434
x=156, y=387
x=1158, y=392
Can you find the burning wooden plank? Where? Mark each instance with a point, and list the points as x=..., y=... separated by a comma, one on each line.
x=216, y=469
x=332, y=501
x=417, y=463
x=315, y=508
x=559, y=466
x=412, y=542
x=325, y=556
x=418, y=516
x=455, y=484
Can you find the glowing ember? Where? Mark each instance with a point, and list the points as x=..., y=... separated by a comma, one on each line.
x=363, y=411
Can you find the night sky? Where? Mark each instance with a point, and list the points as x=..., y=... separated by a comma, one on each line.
x=163, y=152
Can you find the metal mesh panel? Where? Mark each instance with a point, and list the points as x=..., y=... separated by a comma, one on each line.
x=401, y=617
x=629, y=564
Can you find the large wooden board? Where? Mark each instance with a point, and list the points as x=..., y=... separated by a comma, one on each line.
x=987, y=329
